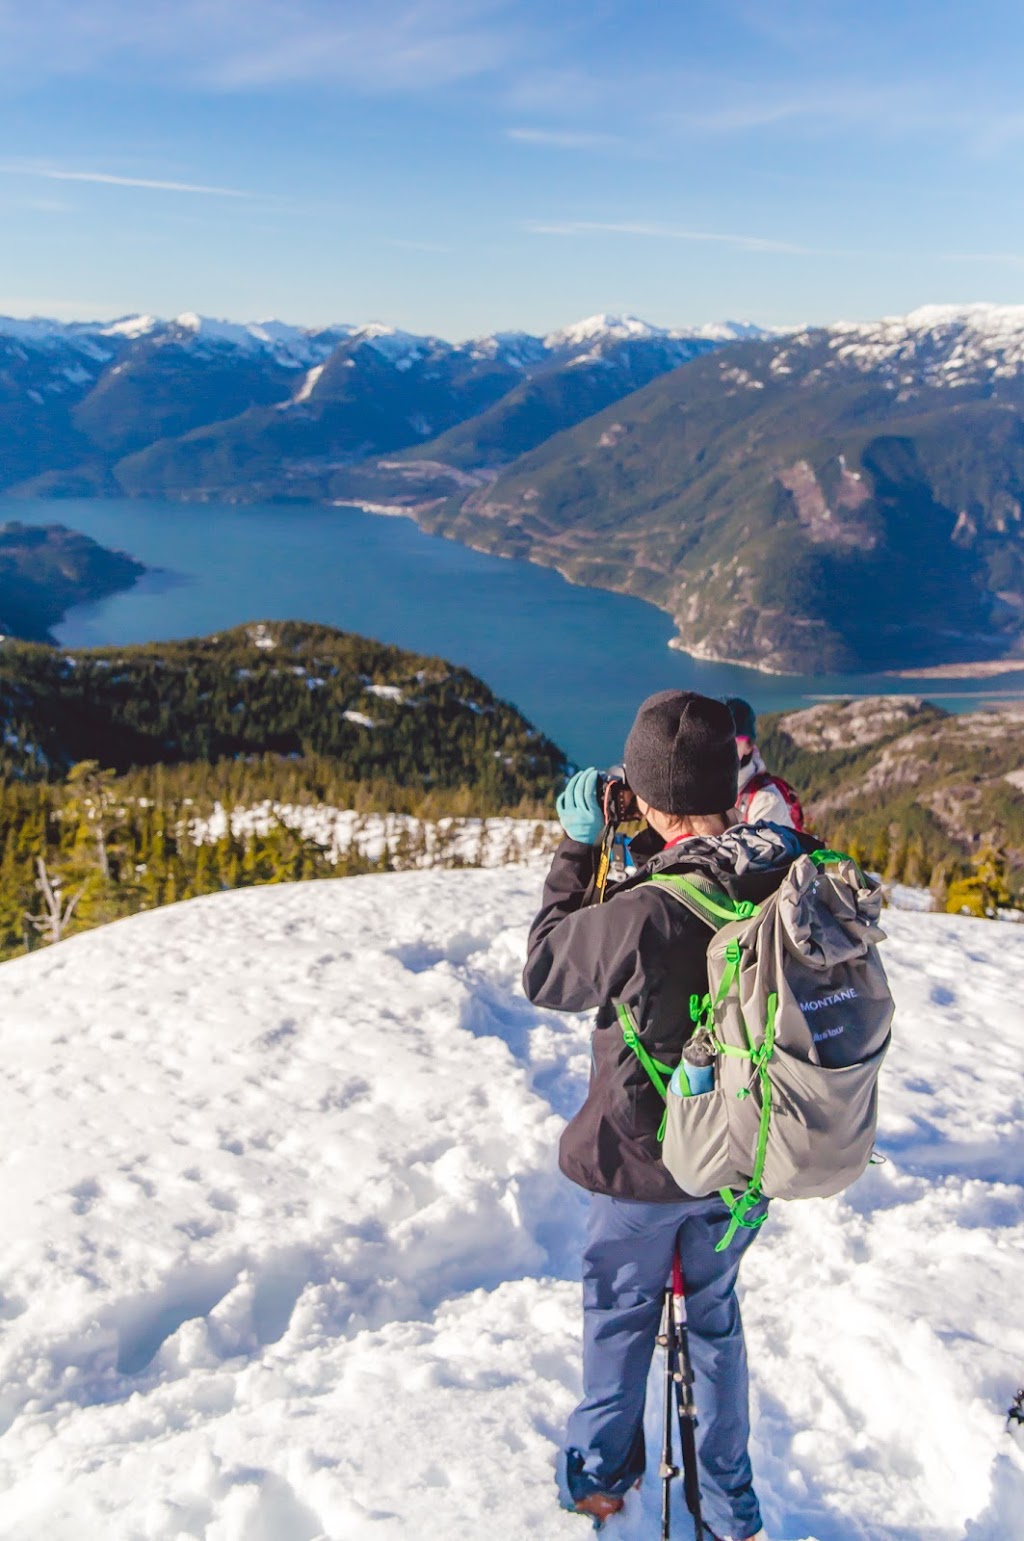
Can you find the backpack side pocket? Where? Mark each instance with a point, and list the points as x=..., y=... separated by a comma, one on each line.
x=696, y=1144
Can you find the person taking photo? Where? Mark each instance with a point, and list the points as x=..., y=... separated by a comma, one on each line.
x=641, y=948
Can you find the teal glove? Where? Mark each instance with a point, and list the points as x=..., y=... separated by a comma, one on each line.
x=579, y=808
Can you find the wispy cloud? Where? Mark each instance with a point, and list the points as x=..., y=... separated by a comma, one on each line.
x=1002, y=131
x=657, y=232
x=109, y=179
x=753, y=243
x=567, y=90
x=231, y=45
x=904, y=109
x=563, y=139
x=722, y=106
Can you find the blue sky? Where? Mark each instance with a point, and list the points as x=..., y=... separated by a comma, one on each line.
x=462, y=166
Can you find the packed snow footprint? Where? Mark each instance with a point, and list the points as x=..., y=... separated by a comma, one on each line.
x=288, y=1256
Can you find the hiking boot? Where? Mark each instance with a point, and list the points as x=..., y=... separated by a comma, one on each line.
x=599, y=1506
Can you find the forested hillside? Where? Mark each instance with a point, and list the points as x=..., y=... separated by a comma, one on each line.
x=849, y=498
x=287, y=688
x=915, y=793
x=117, y=764
x=45, y=569
x=133, y=777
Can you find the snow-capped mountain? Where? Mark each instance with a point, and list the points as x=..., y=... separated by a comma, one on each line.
x=105, y=339
x=937, y=346
x=944, y=345
x=603, y=329
x=286, y=344
x=310, y=344
x=856, y=446
x=520, y=349
x=287, y=1254
x=882, y=461
x=127, y=326
x=77, y=399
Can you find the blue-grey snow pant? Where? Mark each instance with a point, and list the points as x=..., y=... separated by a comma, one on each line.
x=626, y=1264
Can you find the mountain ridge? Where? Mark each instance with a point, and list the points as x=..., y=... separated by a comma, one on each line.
x=838, y=499
x=791, y=504
x=915, y=792
x=247, y=411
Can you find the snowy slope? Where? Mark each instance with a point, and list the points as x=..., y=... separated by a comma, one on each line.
x=287, y=1256
x=938, y=345
x=313, y=344
x=605, y=328
x=289, y=344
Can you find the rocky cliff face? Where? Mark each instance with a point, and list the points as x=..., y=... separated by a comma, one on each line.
x=895, y=772
x=844, y=499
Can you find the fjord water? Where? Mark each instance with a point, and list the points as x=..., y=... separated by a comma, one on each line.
x=575, y=661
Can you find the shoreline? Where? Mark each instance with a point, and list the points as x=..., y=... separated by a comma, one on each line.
x=674, y=643
x=982, y=670
x=414, y=512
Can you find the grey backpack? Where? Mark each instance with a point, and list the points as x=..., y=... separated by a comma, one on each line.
x=798, y=1016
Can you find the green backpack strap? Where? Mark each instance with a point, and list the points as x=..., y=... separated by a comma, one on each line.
x=822, y=859
x=703, y=899
x=739, y=1207
x=716, y=909
x=658, y=1073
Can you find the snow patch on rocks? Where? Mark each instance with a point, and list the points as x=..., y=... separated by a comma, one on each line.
x=852, y=724
x=404, y=840
x=941, y=344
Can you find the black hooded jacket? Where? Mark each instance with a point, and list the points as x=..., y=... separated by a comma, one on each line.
x=641, y=947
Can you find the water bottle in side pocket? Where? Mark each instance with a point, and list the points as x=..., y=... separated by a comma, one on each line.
x=695, y=1072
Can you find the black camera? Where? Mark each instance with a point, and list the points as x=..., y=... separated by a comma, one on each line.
x=616, y=796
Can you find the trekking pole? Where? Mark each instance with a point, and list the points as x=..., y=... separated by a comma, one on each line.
x=666, y=1471
x=1015, y=1412
x=685, y=1405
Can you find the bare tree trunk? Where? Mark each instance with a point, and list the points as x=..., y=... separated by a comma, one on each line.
x=58, y=915
x=101, y=848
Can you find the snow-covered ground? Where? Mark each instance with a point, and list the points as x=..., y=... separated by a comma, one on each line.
x=286, y=1255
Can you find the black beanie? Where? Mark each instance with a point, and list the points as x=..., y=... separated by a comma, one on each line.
x=743, y=716
x=681, y=753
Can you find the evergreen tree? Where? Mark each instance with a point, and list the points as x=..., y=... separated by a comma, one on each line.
x=892, y=872
x=90, y=800
x=938, y=885
x=984, y=890
x=914, y=864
